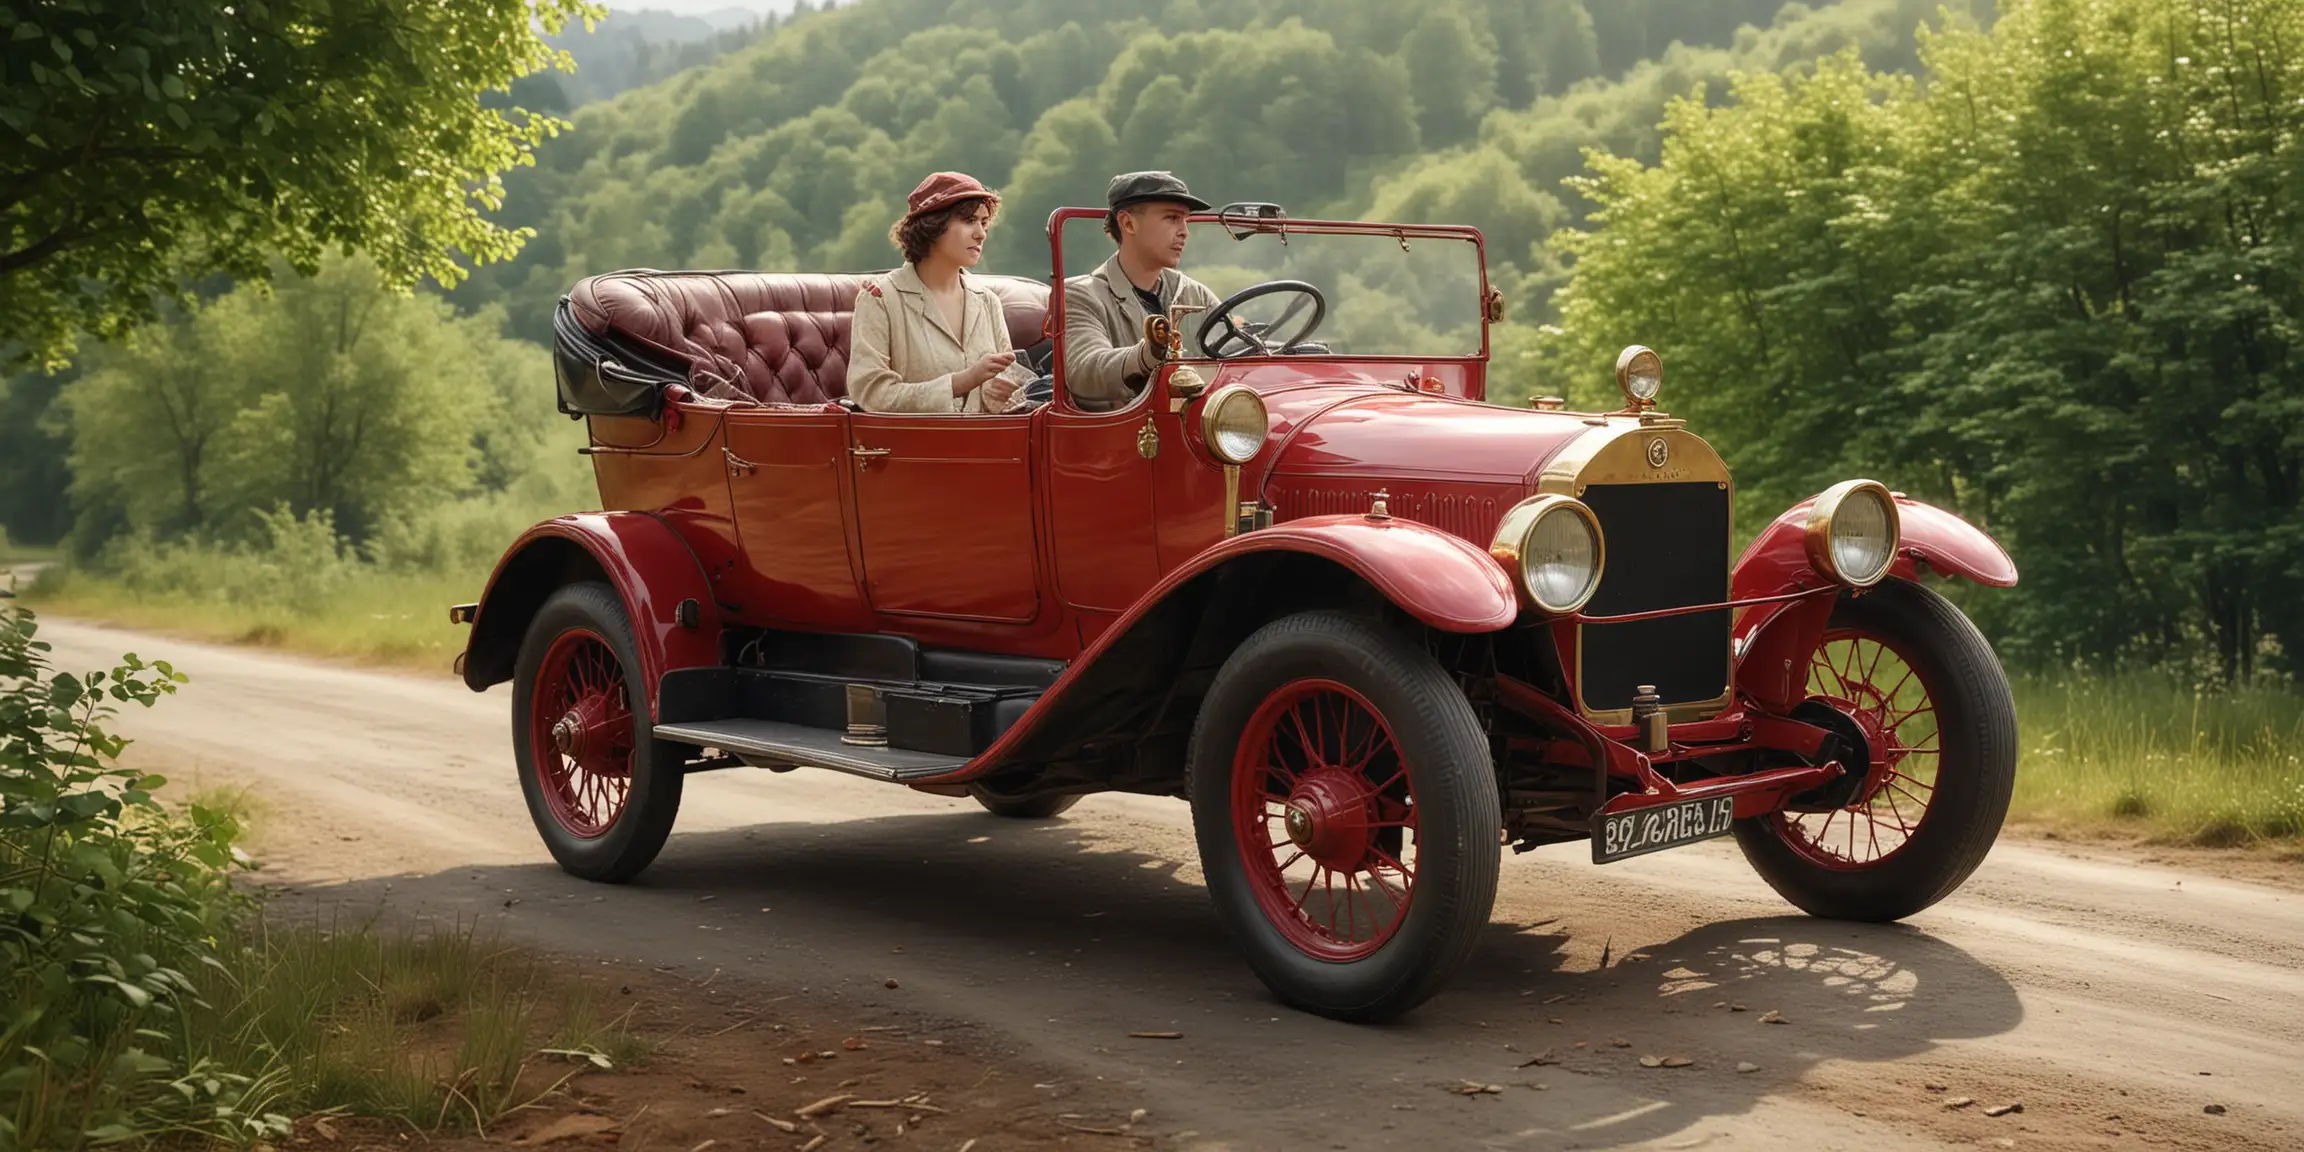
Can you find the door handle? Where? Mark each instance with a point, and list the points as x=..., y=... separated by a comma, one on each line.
x=737, y=465
x=864, y=455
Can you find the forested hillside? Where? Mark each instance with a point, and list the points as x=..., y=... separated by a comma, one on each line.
x=795, y=152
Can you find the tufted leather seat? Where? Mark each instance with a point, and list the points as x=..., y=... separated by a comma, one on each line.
x=775, y=338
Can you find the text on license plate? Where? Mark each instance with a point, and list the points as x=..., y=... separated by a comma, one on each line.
x=1645, y=830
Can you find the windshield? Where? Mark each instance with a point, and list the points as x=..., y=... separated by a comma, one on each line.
x=1360, y=294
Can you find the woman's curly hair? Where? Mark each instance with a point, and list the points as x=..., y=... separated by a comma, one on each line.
x=915, y=236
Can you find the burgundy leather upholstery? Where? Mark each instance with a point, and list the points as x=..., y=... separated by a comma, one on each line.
x=773, y=338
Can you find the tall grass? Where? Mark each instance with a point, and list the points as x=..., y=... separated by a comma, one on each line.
x=441, y=1029
x=2148, y=752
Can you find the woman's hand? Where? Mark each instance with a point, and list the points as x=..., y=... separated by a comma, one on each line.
x=973, y=377
x=998, y=391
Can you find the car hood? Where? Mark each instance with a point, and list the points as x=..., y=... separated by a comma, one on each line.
x=1389, y=434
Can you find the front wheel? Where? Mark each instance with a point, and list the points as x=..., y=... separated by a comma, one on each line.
x=1932, y=704
x=601, y=788
x=1347, y=816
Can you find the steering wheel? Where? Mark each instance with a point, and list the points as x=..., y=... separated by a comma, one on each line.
x=1222, y=337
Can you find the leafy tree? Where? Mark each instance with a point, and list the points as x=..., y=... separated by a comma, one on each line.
x=2059, y=288
x=1451, y=76
x=144, y=143
x=332, y=395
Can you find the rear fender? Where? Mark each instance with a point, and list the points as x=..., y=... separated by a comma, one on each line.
x=1773, y=641
x=652, y=569
x=1440, y=580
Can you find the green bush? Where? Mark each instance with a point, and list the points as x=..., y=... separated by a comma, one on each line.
x=111, y=904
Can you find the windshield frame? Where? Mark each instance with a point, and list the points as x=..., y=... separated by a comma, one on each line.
x=1238, y=225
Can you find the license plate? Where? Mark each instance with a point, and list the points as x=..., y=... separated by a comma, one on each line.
x=1645, y=830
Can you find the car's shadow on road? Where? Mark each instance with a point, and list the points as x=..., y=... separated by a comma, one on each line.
x=1054, y=919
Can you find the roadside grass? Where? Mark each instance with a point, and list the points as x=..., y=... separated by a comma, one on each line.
x=2143, y=753
x=441, y=1029
x=370, y=617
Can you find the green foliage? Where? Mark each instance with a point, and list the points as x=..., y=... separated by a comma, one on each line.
x=113, y=906
x=794, y=153
x=332, y=397
x=145, y=143
x=2058, y=288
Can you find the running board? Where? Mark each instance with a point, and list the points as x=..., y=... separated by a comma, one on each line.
x=771, y=742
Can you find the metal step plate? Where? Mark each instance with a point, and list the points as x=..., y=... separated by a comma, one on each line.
x=775, y=742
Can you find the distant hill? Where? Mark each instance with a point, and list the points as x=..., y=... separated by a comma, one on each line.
x=631, y=48
x=794, y=150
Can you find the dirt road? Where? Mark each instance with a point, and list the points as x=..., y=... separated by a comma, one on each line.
x=2116, y=1003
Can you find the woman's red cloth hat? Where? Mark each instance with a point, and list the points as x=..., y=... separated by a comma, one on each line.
x=945, y=189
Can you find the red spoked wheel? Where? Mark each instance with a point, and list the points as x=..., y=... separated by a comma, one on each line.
x=1931, y=703
x=581, y=726
x=1345, y=802
x=1325, y=817
x=601, y=789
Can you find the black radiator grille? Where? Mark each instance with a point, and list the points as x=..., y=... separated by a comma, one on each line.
x=1667, y=548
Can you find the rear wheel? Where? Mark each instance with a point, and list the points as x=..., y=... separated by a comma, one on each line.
x=601, y=789
x=1347, y=816
x=1932, y=706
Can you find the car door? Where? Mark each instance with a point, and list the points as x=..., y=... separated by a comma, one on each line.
x=944, y=512
x=786, y=470
x=1100, y=468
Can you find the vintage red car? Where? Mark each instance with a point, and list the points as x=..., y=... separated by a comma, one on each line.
x=1368, y=625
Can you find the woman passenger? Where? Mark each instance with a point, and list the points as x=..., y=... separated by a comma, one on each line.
x=926, y=339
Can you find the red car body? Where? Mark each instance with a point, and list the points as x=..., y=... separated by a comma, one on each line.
x=1098, y=566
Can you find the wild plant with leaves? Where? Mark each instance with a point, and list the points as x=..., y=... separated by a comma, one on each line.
x=108, y=903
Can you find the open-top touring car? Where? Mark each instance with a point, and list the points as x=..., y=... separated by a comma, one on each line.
x=1368, y=625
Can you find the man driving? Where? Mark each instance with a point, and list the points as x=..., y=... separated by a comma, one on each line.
x=1107, y=355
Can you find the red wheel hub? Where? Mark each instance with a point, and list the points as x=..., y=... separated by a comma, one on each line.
x=1330, y=817
x=1324, y=813
x=580, y=733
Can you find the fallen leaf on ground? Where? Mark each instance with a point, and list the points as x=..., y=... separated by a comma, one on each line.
x=1475, y=1088
x=892, y=982
x=781, y=1125
x=1137, y=1117
x=1677, y=1062
x=853, y=1044
x=1959, y=1102
x=1621, y=1042
x=326, y=1130
x=1541, y=1058
x=813, y=1145
x=1934, y=1087
x=1772, y=1016
x=1746, y=1066
x=2003, y=1109
x=572, y=1127
x=1156, y=1035
x=1651, y=1061
x=2214, y=1109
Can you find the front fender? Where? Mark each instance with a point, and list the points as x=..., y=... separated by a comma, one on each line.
x=652, y=569
x=1773, y=641
x=1777, y=562
x=1441, y=579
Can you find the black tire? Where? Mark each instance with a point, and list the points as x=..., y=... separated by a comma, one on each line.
x=1034, y=808
x=1446, y=757
x=638, y=831
x=1975, y=774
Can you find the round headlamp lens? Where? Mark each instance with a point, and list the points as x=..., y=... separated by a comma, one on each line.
x=1234, y=425
x=1640, y=373
x=1561, y=562
x=1863, y=536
